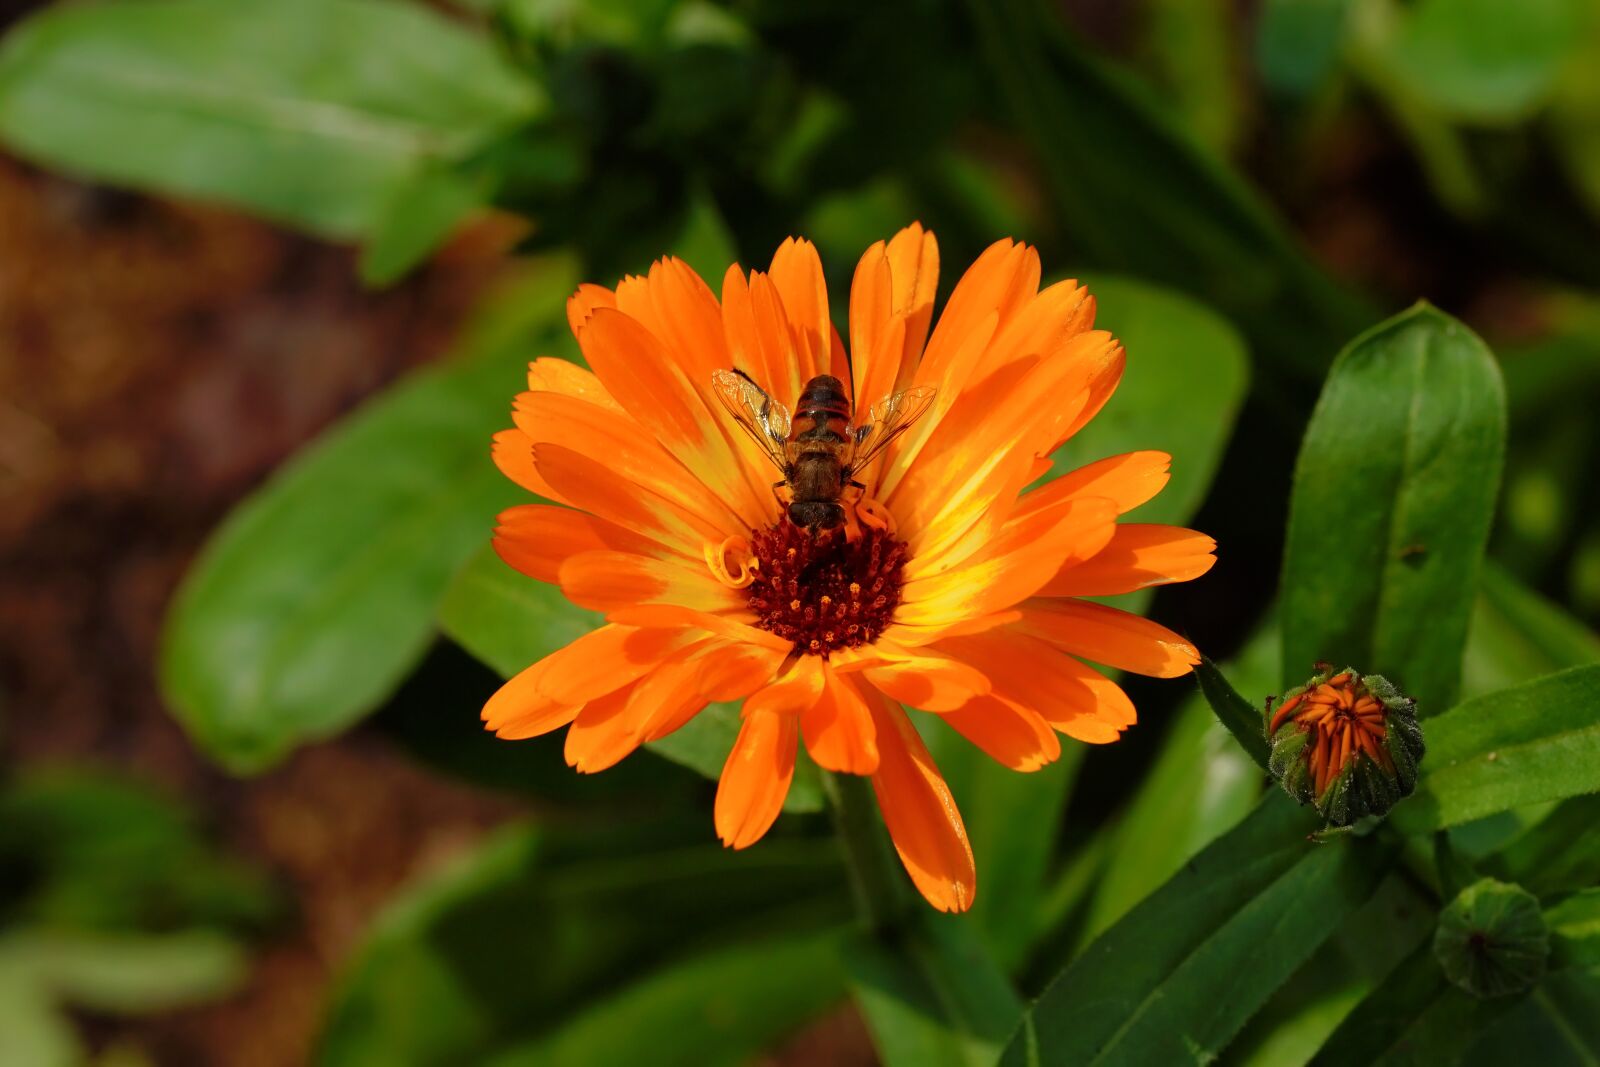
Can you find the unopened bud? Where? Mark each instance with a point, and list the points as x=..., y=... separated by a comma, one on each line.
x=1492, y=939
x=1345, y=742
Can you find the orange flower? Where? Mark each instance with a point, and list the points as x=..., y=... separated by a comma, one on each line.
x=951, y=587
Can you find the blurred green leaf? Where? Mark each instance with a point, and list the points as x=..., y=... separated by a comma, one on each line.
x=718, y=1009
x=1554, y=1026
x=1394, y=490
x=1178, y=976
x=419, y=216
x=242, y=102
x=1414, y=1017
x=1189, y=46
x=1186, y=378
x=1137, y=194
x=1199, y=787
x=1480, y=60
x=1560, y=853
x=316, y=596
x=1533, y=742
x=32, y=1030
x=1575, y=930
x=521, y=939
x=1517, y=635
x=129, y=974
x=932, y=995
x=1297, y=44
x=1575, y=118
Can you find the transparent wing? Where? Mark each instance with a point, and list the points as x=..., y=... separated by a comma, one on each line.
x=762, y=417
x=887, y=420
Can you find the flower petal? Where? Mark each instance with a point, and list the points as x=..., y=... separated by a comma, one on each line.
x=1139, y=555
x=591, y=486
x=756, y=777
x=606, y=659
x=603, y=734
x=520, y=709
x=1110, y=636
x=537, y=538
x=1025, y=670
x=1127, y=480
x=1008, y=733
x=920, y=812
x=549, y=375
x=582, y=304
x=512, y=452
x=838, y=729
x=926, y=679
x=604, y=580
x=797, y=275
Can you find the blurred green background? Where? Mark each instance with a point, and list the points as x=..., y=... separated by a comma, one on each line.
x=254, y=821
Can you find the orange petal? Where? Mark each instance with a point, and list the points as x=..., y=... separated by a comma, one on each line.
x=838, y=729
x=547, y=375
x=920, y=812
x=604, y=660
x=582, y=304
x=797, y=275
x=1008, y=733
x=1139, y=555
x=1025, y=670
x=605, y=580
x=1020, y=562
x=1128, y=480
x=537, y=538
x=588, y=484
x=604, y=732
x=927, y=679
x=1102, y=360
x=756, y=778
x=1043, y=326
x=1106, y=635
x=794, y=691
x=520, y=709
x=673, y=615
x=999, y=282
x=513, y=454
x=718, y=670
x=891, y=307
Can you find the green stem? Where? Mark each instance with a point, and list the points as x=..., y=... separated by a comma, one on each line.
x=875, y=875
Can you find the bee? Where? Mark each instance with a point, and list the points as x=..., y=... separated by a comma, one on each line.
x=816, y=448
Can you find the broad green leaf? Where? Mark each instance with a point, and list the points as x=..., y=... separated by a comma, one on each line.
x=522, y=938
x=1394, y=490
x=1482, y=60
x=311, y=112
x=1517, y=635
x=721, y=1008
x=508, y=621
x=416, y=219
x=1178, y=976
x=932, y=995
x=1136, y=193
x=1414, y=1018
x=317, y=595
x=1186, y=377
x=1531, y=743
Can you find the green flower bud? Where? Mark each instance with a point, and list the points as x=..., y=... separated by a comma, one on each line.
x=1492, y=939
x=1345, y=742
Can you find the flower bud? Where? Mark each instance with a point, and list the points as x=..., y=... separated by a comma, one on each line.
x=1345, y=742
x=1492, y=939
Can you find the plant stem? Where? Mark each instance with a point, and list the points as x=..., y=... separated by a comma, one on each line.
x=874, y=870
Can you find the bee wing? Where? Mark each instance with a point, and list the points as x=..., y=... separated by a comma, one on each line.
x=762, y=417
x=887, y=420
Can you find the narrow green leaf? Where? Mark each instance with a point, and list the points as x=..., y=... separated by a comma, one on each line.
x=1517, y=635
x=719, y=1008
x=130, y=974
x=418, y=217
x=233, y=101
x=1413, y=1019
x=1251, y=907
x=522, y=938
x=1575, y=930
x=1147, y=199
x=1554, y=1026
x=1393, y=494
x=1560, y=853
x=934, y=997
x=314, y=598
x=1531, y=743
x=1241, y=718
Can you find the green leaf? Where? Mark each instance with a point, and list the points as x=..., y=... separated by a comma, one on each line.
x=32, y=1030
x=1237, y=715
x=1531, y=743
x=1414, y=1018
x=523, y=937
x=1517, y=635
x=1394, y=490
x=130, y=974
x=1554, y=1026
x=1482, y=60
x=244, y=103
x=1178, y=976
x=508, y=621
x=1186, y=378
x=1297, y=44
x=1575, y=930
x=1146, y=198
x=933, y=996
x=418, y=218
x=317, y=595
x=720, y=1008
x=1561, y=852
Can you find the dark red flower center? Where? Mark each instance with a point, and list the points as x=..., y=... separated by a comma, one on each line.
x=822, y=590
